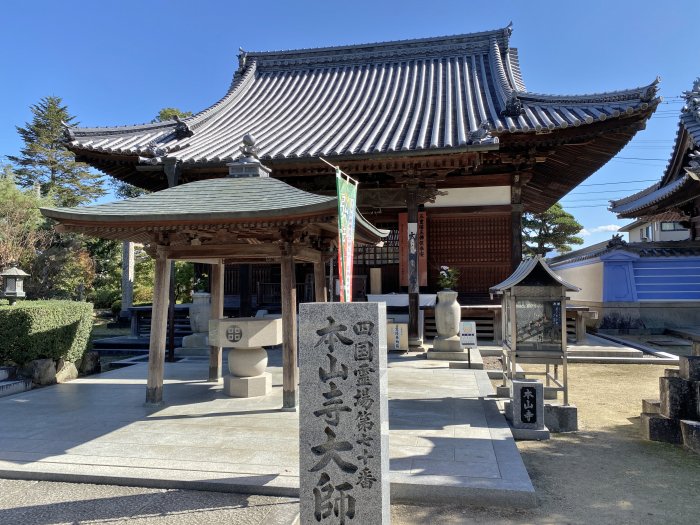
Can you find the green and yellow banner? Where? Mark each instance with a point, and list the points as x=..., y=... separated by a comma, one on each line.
x=347, y=200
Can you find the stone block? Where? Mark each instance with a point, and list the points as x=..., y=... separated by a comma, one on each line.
x=90, y=363
x=561, y=418
x=502, y=391
x=528, y=404
x=42, y=371
x=7, y=372
x=689, y=367
x=448, y=344
x=343, y=412
x=245, y=332
x=65, y=371
x=550, y=393
x=651, y=406
x=248, y=386
x=462, y=355
x=674, y=393
x=672, y=372
x=530, y=434
x=690, y=431
x=196, y=340
x=657, y=427
x=10, y=386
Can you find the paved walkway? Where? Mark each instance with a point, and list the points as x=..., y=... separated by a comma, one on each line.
x=96, y=429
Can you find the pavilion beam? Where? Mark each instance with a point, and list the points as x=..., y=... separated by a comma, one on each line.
x=159, y=315
x=290, y=374
x=217, y=312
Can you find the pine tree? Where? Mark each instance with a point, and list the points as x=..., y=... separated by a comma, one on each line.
x=554, y=229
x=45, y=161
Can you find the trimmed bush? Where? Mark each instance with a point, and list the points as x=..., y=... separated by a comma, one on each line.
x=44, y=329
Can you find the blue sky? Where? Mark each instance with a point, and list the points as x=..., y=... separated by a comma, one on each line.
x=119, y=62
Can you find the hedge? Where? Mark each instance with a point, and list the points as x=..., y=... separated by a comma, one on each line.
x=44, y=329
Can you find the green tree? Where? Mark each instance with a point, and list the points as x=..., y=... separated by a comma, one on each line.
x=554, y=229
x=22, y=231
x=45, y=161
x=106, y=255
x=170, y=114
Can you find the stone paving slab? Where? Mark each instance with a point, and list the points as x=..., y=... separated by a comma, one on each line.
x=443, y=433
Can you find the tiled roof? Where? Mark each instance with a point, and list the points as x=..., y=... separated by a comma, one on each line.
x=433, y=95
x=676, y=185
x=643, y=249
x=524, y=269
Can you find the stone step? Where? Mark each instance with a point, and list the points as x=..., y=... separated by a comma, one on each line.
x=476, y=362
x=7, y=372
x=16, y=386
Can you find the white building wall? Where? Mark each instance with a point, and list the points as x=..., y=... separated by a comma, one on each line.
x=589, y=278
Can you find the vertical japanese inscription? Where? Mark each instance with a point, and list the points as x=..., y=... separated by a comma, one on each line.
x=342, y=419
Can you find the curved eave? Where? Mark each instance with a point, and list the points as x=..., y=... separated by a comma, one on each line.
x=649, y=203
x=523, y=270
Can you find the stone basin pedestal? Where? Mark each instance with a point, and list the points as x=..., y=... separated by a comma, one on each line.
x=247, y=359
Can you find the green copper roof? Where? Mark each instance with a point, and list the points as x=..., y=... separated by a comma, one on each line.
x=227, y=198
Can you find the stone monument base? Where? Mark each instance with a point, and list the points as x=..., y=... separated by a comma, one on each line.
x=462, y=355
x=196, y=344
x=448, y=344
x=248, y=386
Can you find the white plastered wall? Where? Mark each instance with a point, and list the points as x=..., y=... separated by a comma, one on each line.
x=486, y=196
x=589, y=278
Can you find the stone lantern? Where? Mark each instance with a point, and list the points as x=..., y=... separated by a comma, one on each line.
x=14, y=283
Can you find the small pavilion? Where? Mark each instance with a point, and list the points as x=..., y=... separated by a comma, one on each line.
x=247, y=217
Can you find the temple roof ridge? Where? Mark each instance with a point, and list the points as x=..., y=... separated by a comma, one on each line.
x=384, y=49
x=645, y=92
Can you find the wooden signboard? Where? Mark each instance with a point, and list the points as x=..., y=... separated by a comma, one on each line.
x=421, y=246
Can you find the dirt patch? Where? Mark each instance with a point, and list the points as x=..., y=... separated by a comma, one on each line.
x=603, y=474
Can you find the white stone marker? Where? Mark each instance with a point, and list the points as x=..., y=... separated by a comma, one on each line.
x=343, y=414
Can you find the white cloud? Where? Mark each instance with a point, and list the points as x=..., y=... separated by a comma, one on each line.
x=598, y=229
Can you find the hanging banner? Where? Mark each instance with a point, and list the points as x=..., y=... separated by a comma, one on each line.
x=347, y=199
x=420, y=235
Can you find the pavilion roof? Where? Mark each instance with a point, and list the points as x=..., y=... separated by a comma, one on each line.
x=679, y=182
x=431, y=95
x=527, y=267
x=253, y=204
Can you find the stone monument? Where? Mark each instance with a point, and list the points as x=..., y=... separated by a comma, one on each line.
x=343, y=414
x=247, y=359
x=526, y=410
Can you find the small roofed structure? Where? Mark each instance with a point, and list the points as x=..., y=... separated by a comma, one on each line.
x=247, y=217
x=534, y=321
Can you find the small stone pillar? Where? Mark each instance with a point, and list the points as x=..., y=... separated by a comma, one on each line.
x=247, y=359
x=127, y=279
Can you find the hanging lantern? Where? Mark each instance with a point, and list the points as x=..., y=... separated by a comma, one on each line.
x=14, y=283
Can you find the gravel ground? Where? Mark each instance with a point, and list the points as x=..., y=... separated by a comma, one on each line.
x=603, y=474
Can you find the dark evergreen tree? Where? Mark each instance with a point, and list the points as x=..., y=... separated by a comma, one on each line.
x=554, y=229
x=45, y=161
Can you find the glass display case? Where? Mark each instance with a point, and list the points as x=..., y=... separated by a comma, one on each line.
x=534, y=322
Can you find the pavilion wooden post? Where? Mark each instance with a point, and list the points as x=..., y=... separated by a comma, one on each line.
x=290, y=374
x=156, y=348
x=217, y=312
x=320, y=293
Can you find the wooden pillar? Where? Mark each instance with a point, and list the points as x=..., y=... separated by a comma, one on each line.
x=217, y=312
x=246, y=307
x=320, y=295
x=290, y=374
x=516, y=215
x=413, y=285
x=156, y=348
